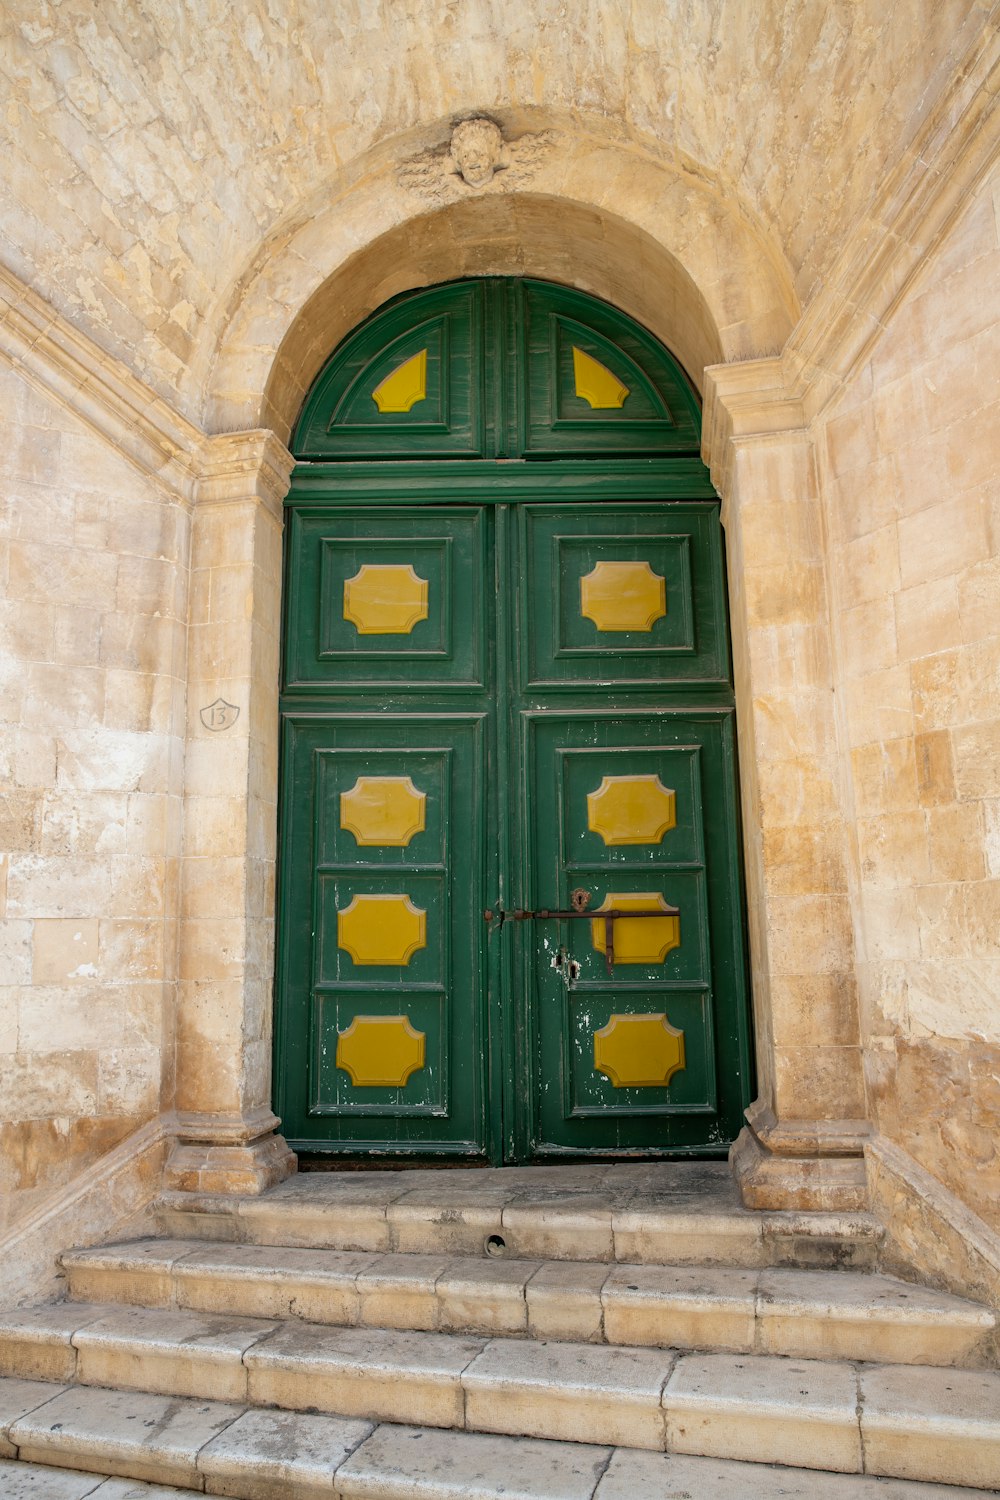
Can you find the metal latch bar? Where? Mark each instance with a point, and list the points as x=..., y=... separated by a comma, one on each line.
x=579, y=912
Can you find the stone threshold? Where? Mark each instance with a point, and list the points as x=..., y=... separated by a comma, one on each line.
x=681, y=1213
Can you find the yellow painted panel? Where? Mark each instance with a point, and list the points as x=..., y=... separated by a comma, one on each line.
x=385, y=599
x=381, y=1052
x=639, y=1051
x=382, y=929
x=641, y=940
x=595, y=383
x=404, y=387
x=631, y=810
x=623, y=596
x=383, y=810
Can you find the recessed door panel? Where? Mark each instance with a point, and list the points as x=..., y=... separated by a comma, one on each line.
x=615, y=595
x=603, y=1013
x=381, y=950
x=392, y=599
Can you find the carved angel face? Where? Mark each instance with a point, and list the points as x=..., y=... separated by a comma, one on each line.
x=476, y=147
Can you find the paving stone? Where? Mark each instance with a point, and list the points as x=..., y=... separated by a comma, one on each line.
x=646, y=1234
x=578, y=1392
x=36, y=1343
x=408, y=1463
x=852, y=1315
x=268, y=1281
x=137, y=1489
x=559, y=1228
x=17, y=1398
x=447, y=1219
x=397, y=1291
x=939, y=1425
x=564, y=1300
x=272, y=1455
x=484, y=1295
x=176, y=1353
x=797, y=1412
x=363, y=1372
x=140, y=1273
x=128, y=1433
x=681, y=1307
x=332, y=1225
x=632, y=1475
x=21, y=1481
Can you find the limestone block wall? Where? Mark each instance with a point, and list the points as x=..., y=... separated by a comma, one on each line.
x=160, y=186
x=909, y=463
x=93, y=605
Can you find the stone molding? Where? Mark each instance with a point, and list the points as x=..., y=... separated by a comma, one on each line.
x=816, y=1183
x=225, y=1129
x=920, y=200
x=807, y=1137
x=107, y=1200
x=874, y=273
x=98, y=388
x=930, y=1232
x=241, y=466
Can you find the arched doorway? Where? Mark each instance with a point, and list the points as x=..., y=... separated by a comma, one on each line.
x=507, y=716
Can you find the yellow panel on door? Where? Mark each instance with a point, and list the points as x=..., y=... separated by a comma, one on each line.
x=623, y=596
x=381, y=1051
x=385, y=599
x=404, y=387
x=639, y=1052
x=595, y=383
x=382, y=929
x=384, y=811
x=638, y=940
x=631, y=810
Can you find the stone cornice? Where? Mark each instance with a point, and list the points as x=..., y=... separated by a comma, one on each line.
x=919, y=202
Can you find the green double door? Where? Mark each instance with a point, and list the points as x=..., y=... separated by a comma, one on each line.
x=507, y=718
x=492, y=741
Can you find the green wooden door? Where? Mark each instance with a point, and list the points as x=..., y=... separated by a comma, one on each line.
x=506, y=696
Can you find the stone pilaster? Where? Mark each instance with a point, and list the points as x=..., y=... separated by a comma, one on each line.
x=223, y=1036
x=803, y=1145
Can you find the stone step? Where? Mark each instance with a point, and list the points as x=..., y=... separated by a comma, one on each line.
x=685, y=1213
x=806, y=1314
x=287, y=1459
x=914, y=1422
x=179, y=1445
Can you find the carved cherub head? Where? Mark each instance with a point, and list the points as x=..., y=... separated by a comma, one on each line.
x=477, y=151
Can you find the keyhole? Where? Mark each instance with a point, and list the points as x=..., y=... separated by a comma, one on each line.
x=566, y=967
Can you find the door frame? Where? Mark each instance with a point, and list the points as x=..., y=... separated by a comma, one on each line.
x=314, y=486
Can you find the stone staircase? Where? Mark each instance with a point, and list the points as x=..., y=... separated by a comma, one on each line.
x=604, y=1332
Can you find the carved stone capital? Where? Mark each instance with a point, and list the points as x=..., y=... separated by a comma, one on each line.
x=240, y=466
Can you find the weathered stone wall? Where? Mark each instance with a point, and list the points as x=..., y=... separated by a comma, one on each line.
x=711, y=170
x=93, y=558
x=173, y=140
x=909, y=471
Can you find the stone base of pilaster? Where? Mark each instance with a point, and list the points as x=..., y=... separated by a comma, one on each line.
x=815, y=1166
x=229, y=1154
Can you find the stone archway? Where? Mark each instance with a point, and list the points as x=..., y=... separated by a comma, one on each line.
x=680, y=256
